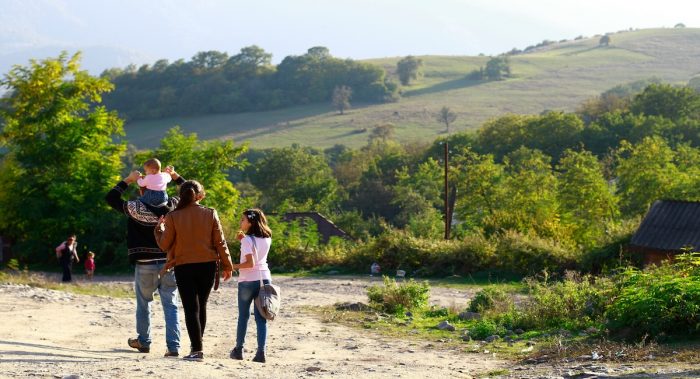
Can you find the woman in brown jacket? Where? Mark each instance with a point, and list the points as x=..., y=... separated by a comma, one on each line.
x=194, y=240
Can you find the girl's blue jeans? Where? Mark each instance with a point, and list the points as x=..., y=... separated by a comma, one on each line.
x=247, y=292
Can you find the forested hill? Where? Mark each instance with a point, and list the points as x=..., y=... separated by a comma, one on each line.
x=553, y=76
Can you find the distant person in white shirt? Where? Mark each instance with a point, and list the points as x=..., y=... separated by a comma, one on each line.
x=154, y=183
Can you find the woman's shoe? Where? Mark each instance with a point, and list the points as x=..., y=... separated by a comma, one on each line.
x=237, y=353
x=196, y=356
x=259, y=357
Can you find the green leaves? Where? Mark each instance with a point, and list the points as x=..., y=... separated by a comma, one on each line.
x=61, y=157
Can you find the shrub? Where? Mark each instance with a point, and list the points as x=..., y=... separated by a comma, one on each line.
x=528, y=255
x=400, y=250
x=610, y=254
x=485, y=328
x=664, y=299
x=399, y=297
x=574, y=303
x=489, y=298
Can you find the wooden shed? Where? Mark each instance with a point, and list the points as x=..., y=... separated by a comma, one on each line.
x=669, y=227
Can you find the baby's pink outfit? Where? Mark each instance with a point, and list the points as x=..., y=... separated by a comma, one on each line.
x=155, y=182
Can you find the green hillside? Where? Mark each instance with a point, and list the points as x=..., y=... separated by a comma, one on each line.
x=556, y=77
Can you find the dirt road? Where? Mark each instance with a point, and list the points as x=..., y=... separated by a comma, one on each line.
x=47, y=333
x=55, y=334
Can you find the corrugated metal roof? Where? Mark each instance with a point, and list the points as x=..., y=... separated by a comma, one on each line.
x=670, y=225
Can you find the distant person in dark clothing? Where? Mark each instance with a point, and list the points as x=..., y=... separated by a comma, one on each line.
x=149, y=260
x=66, y=253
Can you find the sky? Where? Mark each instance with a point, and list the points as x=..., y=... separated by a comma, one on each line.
x=118, y=32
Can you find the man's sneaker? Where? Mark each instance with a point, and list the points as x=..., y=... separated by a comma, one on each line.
x=196, y=356
x=237, y=353
x=171, y=354
x=134, y=343
x=259, y=357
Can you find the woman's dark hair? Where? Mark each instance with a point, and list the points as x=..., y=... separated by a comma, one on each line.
x=188, y=193
x=258, y=223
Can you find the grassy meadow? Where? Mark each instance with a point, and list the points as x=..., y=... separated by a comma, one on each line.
x=554, y=77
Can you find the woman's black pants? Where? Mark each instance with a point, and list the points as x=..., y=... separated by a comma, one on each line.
x=194, y=283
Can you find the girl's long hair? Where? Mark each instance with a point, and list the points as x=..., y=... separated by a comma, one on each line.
x=258, y=223
x=188, y=193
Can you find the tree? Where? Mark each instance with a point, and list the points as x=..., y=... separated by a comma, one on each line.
x=207, y=162
x=665, y=100
x=498, y=68
x=382, y=133
x=554, y=132
x=418, y=192
x=604, y=40
x=586, y=199
x=409, y=68
x=295, y=177
x=341, y=98
x=446, y=117
x=480, y=185
x=208, y=60
x=504, y=134
x=319, y=52
x=646, y=173
x=60, y=159
x=679, y=25
x=252, y=56
x=529, y=202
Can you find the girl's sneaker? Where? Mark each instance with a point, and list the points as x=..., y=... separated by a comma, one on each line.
x=259, y=357
x=196, y=356
x=237, y=353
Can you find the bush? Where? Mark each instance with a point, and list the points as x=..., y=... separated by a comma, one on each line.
x=398, y=298
x=485, y=328
x=401, y=250
x=658, y=300
x=528, y=255
x=610, y=254
x=575, y=303
x=489, y=298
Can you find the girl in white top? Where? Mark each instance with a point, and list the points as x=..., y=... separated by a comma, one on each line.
x=255, y=245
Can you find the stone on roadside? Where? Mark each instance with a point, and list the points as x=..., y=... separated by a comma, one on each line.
x=466, y=315
x=445, y=325
x=355, y=307
x=492, y=338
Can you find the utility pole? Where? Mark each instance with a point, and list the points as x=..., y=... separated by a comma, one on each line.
x=448, y=213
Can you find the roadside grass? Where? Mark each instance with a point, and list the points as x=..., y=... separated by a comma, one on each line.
x=557, y=77
x=421, y=329
x=530, y=347
x=78, y=286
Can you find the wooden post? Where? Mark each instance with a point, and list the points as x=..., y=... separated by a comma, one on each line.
x=448, y=214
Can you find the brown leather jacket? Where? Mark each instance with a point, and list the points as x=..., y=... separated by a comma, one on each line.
x=194, y=235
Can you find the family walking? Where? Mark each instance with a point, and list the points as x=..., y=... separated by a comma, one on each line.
x=178, y=246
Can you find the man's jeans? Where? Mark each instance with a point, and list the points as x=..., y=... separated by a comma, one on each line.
x=247, y=292
x=146, y=283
